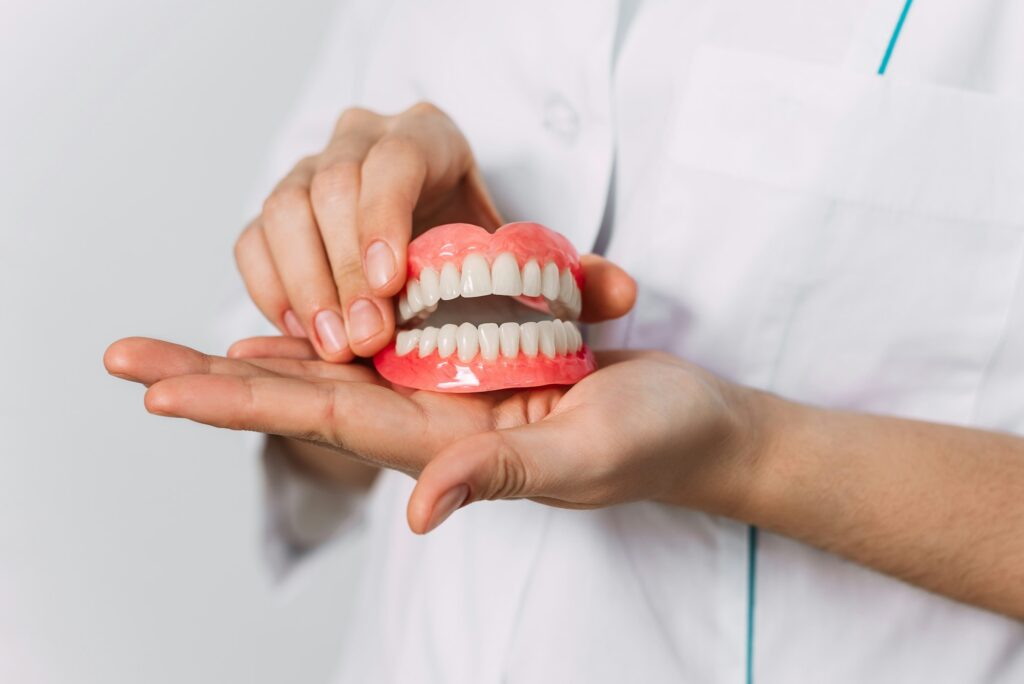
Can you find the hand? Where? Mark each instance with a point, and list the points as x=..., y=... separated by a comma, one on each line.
x=644, y=426
x=329, y=247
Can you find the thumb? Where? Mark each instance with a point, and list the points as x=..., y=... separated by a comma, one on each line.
x=608, y=291
x=501, y=464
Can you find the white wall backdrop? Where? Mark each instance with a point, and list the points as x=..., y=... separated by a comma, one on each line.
x=131, y=134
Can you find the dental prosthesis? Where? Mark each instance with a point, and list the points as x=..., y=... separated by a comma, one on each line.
x=485, y=311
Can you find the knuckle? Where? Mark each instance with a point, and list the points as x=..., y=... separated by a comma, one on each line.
x=335, y=182
x=423, y=108
x=397, y=145
x=284, y=204
x=355, y=118
x=328, y=415
x=348, y=273
x=510, y=477
x=245, y=242
x=308, y=162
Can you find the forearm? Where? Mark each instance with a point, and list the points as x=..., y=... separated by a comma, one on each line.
x=328, y=464
x=938, y=506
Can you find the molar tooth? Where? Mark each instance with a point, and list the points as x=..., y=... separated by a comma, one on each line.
x=412, y=291
x=430, y=287
x=550, y=285
x=505, y=276
x=404, y=310
x=446, y=340
x=468, y=342
x=509, y=333
x=561, y=337
x=406, y=341
x=531, y=279
x=476, y=276
x=428, y=341
x=529, y=339
x=566, y=285
x=449, y=282
x=489, y=335
x=547, y=338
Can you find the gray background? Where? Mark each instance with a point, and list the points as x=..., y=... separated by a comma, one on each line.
x=131, y=137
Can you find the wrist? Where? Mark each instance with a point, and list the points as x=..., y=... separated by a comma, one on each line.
x=762, y=421
x=780, y=434
x=748, y=462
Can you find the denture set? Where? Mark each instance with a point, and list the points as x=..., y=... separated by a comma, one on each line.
x=483, y=311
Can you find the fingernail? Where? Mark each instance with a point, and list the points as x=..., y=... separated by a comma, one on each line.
x=380, y=264
x=448, y=504
x=292, y=325
x=364, y=320
x=331, y=331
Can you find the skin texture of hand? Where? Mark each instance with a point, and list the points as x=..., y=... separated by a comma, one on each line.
x=939, y=506
x=328, y=249
x=608, y=293
x=644, y=426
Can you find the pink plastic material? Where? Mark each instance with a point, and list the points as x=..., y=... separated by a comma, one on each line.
x=479, y=375
x=452, y=243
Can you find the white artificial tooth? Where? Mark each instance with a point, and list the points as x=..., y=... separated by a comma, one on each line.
x=576, y=304
x=412, y=291
x=575, y=339
x=430, y=287
x=428, y=341
x=531, y=279
x=406, y=341
x=550, y=285
x=561, y=338
x=529, y=339
x=446, y=340
x=489, y=340
x=566, y=285
x=547, y=338
x=404, y=311
x=402, y=343
x=476, y=276
x=570, y=338
x=468, y=341
x=505, y=276
x=449, y=282
x=509, y=333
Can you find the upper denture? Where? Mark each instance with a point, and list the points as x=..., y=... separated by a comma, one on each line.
x=522, y=260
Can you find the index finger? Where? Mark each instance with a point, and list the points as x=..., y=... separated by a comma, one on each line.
x=372, y=421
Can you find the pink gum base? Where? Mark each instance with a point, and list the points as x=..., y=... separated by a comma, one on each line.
x=455, y=241
x=451, y=375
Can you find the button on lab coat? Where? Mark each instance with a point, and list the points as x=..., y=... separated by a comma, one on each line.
x=797, y=221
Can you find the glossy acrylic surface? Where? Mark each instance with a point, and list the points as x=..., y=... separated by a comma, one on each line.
x=453, y=243
x=479, y=375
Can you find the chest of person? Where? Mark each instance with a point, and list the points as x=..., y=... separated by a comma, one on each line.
x=822, y=199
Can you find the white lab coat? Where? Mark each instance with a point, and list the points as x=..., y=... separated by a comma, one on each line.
x=797, y=222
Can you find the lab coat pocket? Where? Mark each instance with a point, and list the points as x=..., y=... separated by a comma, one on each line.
x=863, y=234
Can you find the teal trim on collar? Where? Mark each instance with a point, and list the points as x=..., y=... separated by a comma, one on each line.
x=895, y=37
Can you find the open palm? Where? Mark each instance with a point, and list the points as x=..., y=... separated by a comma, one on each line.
x=615, y=436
